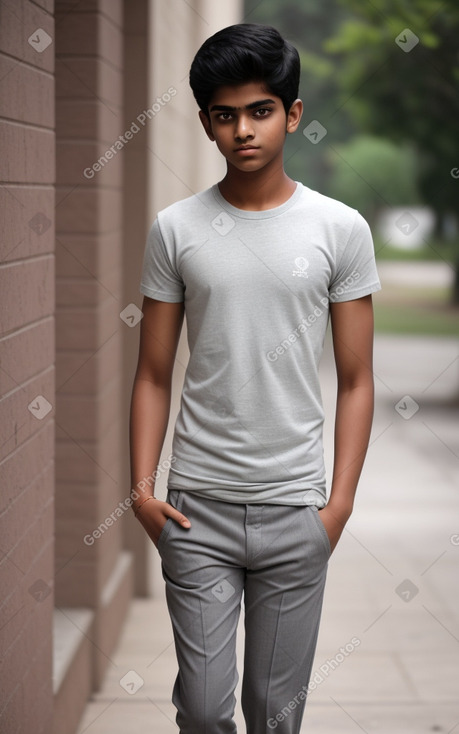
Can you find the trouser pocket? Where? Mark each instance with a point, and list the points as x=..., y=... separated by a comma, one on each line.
x=321, y=527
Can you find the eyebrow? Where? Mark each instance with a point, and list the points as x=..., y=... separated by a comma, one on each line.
x=227, y=108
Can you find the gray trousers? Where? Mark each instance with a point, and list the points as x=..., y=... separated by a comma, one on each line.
x=276, y=555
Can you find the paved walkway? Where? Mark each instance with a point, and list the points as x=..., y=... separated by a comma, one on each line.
x=392, y=581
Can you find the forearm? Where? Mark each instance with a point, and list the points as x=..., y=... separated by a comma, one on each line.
x=354, y=416
x=150, y=405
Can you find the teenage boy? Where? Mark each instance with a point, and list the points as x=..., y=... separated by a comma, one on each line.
x=258, y=263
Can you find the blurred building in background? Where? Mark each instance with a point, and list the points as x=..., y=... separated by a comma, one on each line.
x=99, y=132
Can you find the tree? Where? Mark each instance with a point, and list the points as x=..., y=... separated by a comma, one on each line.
x=391, y=169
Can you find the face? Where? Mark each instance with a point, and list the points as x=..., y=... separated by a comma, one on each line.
x=249, y=124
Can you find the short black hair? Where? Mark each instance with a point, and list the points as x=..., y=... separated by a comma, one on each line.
x=243, y=53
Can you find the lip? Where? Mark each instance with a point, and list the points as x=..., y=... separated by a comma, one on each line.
x=246, y=149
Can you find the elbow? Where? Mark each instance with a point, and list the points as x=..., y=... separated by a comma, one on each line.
x=363, y=381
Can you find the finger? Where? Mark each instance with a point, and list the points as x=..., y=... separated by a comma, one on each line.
x=181, y=519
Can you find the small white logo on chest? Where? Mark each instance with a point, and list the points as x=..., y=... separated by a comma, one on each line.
x=301, y=267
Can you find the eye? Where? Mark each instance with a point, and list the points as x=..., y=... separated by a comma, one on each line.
x=263, y=112
x=224, y=116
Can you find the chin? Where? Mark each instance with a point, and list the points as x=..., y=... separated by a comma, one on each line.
x=248, y=165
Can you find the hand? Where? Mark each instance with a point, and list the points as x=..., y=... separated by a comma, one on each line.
x=154, y=514
x=334, y=522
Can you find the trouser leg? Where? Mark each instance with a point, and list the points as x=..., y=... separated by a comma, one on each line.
x=204, y=585
x=283, y=600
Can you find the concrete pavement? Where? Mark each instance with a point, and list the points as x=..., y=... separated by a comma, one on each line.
x=392, y=584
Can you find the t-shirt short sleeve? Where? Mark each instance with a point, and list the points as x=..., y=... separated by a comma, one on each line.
x=160, y=279
x=355, y=274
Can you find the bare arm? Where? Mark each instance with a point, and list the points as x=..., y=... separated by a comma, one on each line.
x=352, y=330
x=150, y=405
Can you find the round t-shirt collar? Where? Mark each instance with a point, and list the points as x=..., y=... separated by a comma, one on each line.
x=263, y=213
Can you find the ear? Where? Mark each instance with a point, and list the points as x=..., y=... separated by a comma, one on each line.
x=206, y=125
x=294, y=115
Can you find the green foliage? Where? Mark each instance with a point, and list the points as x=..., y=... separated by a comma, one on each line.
x=405, y=96
x=369, y=173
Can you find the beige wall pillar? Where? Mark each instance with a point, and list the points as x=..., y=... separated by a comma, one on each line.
x=136, y=194
x=93, y=572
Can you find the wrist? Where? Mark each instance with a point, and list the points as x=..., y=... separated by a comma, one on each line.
x=342, y=509
x=136, y=507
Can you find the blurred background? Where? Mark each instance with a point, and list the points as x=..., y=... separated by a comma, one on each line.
x=98, y=132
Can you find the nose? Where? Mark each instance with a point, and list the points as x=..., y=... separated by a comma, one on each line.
x=244, y=128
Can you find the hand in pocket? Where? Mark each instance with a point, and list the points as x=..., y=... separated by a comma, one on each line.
x=333, y=524
x=154, y=514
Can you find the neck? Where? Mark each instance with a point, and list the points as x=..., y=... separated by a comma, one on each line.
x=257, y=190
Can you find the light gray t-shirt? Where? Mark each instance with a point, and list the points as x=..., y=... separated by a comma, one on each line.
x=256, y=286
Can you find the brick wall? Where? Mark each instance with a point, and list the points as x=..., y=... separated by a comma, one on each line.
x=27, y=365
